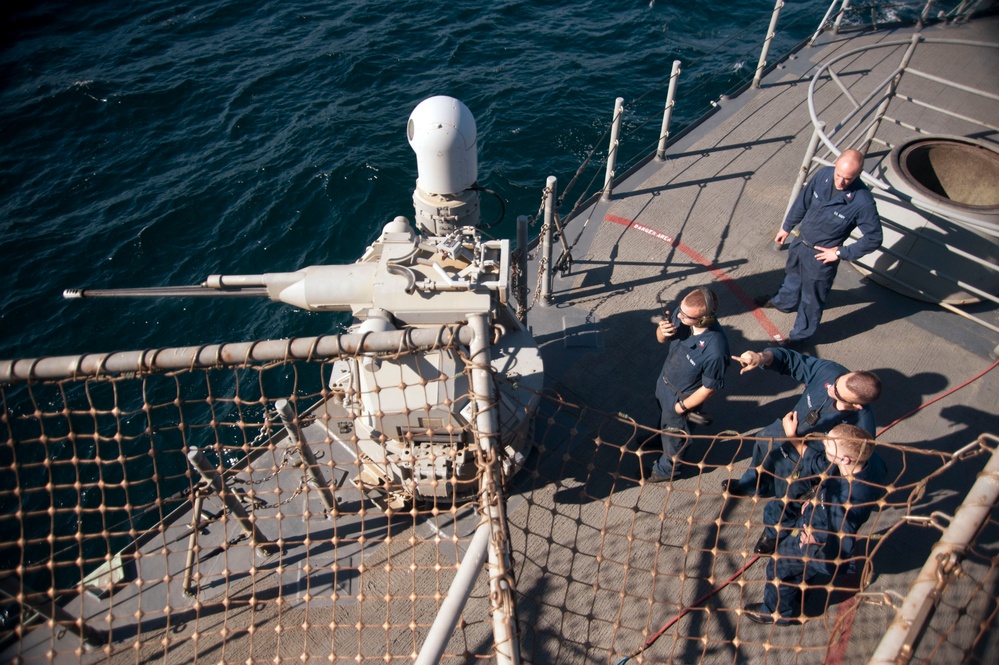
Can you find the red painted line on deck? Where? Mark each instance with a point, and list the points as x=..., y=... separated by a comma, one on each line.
x=846, y=610
x=720, y=275
x=847, y=613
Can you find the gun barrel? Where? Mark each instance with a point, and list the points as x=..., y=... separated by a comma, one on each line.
x=168, y=292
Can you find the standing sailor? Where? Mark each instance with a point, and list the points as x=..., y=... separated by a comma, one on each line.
x=694, y=369
x=830, y=206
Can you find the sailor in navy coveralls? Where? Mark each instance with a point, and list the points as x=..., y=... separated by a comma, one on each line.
x=825, y=532
x=792, y=485
x=833, y=395
x=694, y=369
x=830, y=206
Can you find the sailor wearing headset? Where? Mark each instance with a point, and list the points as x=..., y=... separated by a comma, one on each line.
x=694, y=369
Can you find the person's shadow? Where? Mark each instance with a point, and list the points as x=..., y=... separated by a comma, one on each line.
x=901, y=394
x=907, y=546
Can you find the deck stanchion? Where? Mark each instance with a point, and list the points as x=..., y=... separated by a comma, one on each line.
x=612, y=150
x=461, y=588
x=964, y=11
x=668, y=112
x=287, y=414
x=806, y=163
x=889, y=94
x=504, y=610
x=822, y=23
x=941, y=566
x=926, y=12
x=771, y=31
x=522, y=222
x=546, y=242
x=232, y=504
x=839, y=17
x=192, y=543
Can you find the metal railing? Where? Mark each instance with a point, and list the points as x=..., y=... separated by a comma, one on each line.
x=124, y=554
x=862, y=16
x=119, y=428
x=832, y=21
x=868, y=120
x=902, y=639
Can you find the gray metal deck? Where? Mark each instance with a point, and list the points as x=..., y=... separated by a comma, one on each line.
x=707, y=216
x=602, y=559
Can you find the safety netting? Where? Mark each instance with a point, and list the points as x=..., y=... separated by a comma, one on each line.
x=176, y=516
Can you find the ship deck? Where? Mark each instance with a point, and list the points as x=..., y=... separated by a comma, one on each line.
x=601, y=558
x=707, y=215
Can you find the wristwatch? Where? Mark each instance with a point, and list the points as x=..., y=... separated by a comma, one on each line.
x=837, y=252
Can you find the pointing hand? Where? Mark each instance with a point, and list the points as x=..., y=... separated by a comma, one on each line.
x=749, y=360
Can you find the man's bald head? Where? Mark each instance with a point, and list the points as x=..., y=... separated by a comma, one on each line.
x=847, y=169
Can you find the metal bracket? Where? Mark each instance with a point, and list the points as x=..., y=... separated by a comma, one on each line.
x=936, y=519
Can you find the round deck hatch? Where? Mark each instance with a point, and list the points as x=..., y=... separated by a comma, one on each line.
x=957, y=178
x=951, y=171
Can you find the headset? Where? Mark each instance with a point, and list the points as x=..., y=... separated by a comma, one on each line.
x=711, y=303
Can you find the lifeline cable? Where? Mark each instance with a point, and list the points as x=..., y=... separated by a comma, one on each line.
x=739, y=572
x=938, y=398
x=848, y=609
x=687, y=609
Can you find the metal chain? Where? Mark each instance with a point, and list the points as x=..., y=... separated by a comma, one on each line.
x=302, y=484
x=259, y=481
x=541, y=208
x=264, y=434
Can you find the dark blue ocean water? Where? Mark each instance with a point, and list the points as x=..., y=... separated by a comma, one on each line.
x=155, y=143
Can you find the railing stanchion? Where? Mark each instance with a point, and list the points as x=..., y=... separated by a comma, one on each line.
x=232, y=503
x=839, y=17
x=822, y=24
x=288, y=418
x=963, y=11
x=546, y=242
x=806, y=163
x=771, y=31
x=926, y=12
x=668, y=112
x=612, y=150
x=192, y=543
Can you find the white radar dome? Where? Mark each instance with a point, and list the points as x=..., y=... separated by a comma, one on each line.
x=441, y=131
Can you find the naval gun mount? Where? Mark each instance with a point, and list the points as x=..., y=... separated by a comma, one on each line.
x=411, y=419
x=408, y=418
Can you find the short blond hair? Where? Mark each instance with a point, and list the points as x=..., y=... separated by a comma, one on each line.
x=852, y=442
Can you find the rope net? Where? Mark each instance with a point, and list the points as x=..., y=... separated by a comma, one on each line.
x=118, y=549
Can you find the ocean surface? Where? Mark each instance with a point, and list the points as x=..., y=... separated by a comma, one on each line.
x=155, y=143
